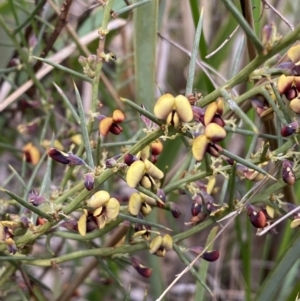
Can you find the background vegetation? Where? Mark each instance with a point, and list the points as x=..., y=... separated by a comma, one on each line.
x=49, y=95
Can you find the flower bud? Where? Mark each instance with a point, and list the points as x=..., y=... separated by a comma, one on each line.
x=141, y=269
x=34, y=198
x=289, y=129
x=64, y=158
x=129, y=159
x=195, y=209
x=89, y=180
x=257, y=219
x=288, y=175
x=175, y=210
x=211, y=255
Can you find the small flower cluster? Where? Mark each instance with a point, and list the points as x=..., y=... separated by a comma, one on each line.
x=111, y=124
x=105, y=209
x=142, y=171
x=174, y=110
x=159, y=245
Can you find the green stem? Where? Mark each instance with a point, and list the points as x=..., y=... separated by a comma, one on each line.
x=192, y=65
x=64, y=69
x=244, y=25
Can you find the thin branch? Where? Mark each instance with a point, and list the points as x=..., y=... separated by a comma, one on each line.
x=223, y=44
x=278, y=14
x=63, y=20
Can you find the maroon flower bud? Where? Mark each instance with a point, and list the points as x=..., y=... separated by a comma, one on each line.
x=218, y=120
x=195, y=209
x=14, y=62
x=65, y=158
x=257, y=219
x=116, y=129
x=211, y=255
x=291, y=93
x=289, y=129
x=208, y=256
x=141, y=269
x=129, y=159
x=89, y=180
x=214, y=149
x=175, y=210
x=288, y=175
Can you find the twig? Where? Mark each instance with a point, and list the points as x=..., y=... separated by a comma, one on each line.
x=63, y=20
x=278, y=14
x=246, y=6
x=223, y=44
x=192, y=65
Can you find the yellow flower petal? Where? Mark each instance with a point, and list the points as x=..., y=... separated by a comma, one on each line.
x=152, y=170
x=294, y=54
x=183, y=108
x=98, y=211
x=173, y=119
x=99, y=199
x=199, y=147
x=135, y=173
x=147, y=182
x=284, y=83
x=210, y=112
x=167, y=242
x=146, y=209
x=118, y=116
x=295, y=105
x=147, y=199
x=155, y=244
x=164, y=106
x=112, y=208
x=214, y=132
x=135, y=204
x=295, y=223
x=105, y=125
x=82, y=224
